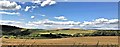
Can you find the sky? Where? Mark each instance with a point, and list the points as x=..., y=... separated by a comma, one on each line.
x=51, y=14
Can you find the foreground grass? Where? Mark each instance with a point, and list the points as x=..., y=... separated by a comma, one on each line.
x=64, y=41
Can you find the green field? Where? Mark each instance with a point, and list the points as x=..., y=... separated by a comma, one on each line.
x=73, y=31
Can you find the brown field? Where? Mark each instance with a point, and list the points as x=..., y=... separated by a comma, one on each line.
x=101, y=40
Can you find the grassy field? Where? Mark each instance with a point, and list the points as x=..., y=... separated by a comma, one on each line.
x=72, y=31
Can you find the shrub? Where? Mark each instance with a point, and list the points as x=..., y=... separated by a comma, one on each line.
x=51, y=35
x=106, y=33
x=5, y=37
x=12, y=37
x=77, y=35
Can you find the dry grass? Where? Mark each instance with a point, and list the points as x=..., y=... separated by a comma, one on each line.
x=103, y=40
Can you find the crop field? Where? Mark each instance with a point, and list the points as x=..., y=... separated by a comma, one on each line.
x=101, y=41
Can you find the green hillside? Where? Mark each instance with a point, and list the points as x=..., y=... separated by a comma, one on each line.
x=56, y=33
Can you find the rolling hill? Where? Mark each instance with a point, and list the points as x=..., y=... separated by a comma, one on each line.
x=59, y=33
x=8, y=28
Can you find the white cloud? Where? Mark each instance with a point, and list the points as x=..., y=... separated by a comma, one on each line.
x=9, y=13
x=30, y=7
x=44, y=2
x=49, y=24
x=43, y=15
x=48, y=2
x=60, y=18
x=33, y=7
x=52, y=2
x=7, y=5
x=16, y=23
x=37, y=1
x=27, y=8
x=113, y=21
x=96, y=21
x=101, y=23
x=10, y=22
x=101, y=20
x=32, y=17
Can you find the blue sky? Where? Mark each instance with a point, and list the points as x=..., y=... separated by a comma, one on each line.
x=75, y=11
x=82, y=12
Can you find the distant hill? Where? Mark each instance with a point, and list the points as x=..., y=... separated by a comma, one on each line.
x=8, y=28
x=56, y=33
x=13, y=30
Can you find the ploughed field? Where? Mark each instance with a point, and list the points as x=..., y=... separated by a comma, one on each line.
x=100, y=40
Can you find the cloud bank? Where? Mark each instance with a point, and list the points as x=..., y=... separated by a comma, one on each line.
x=101, y=23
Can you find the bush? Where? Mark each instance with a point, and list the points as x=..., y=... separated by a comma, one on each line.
x=5, y=37
x=12, y=37
x=87, y=34
x=18, y=32
x=64, y=34
x=106, y=33
x=51, y=35
x=77, y=35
